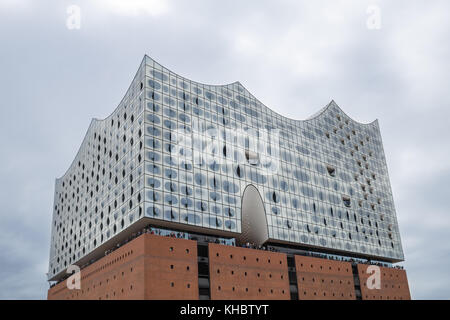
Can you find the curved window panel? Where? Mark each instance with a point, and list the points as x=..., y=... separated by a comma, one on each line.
x=153, y=212
x=159, y=75
x=153, y=131
x=151, y=106
x=301, y=175
x=230, y=187
x=153, y=118
x=153, y=183
x=309, y=135
x=154, y=84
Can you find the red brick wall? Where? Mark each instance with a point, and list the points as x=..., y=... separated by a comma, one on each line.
x=241, y=273
x=144, y=268
x=322, y=279
x=171, y=268
x=393, y=285
x=115, y=276
x=157, y=267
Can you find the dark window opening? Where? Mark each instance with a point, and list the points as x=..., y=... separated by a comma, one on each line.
x=346, y=201
x=252, y=157
x=331, y=171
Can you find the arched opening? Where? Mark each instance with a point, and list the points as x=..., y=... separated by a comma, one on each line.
x=254, y=222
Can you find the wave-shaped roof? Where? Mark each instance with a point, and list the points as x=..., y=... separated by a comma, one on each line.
x=146, y=59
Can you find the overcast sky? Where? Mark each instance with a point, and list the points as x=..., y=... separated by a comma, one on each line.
x=294, y=56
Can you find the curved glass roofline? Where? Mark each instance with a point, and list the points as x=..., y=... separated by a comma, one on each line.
x=314, y=116
x=95, y=120
x=144, y=60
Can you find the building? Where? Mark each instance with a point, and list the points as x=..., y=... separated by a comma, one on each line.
x=165, y=192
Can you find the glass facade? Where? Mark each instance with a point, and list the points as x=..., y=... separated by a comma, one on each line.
x=183, y=152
